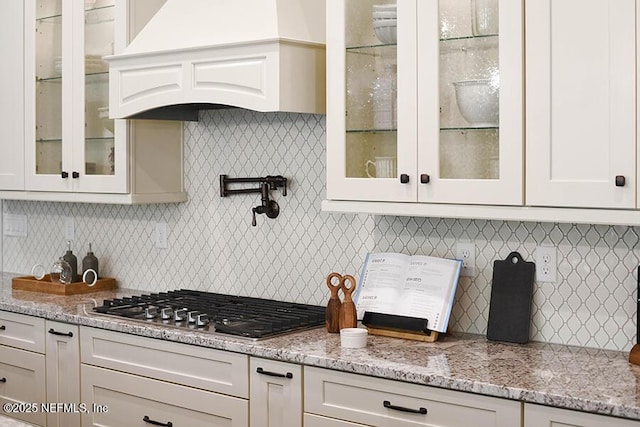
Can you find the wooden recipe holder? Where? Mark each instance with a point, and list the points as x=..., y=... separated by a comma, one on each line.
x=45, y=285
x=390, y=325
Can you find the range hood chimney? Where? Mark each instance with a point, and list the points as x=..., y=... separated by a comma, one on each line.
x=262, y=55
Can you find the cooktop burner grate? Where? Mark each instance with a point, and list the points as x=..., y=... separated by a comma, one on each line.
x=212, y=312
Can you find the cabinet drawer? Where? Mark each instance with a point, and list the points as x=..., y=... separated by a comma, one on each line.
x=361, y=399
x=537, y=415
x=24, y=382
x=127, y=399
x=21, y=331
x=204, y=368
x=311, y=420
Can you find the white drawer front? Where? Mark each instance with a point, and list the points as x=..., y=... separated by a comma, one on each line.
x=127, y=399
x=23, y=381
x=537, y=415
x=361, y=399
x=21, y=331
x=209, y=369
x=311, y=420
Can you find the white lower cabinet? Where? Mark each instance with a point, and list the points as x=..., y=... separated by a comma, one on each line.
x=275, y=393
x=381, y=403
x=141, y=381
x=544, y=416
x=311, y=420
x=62, y=345
x=123, y=399
x=22, y=367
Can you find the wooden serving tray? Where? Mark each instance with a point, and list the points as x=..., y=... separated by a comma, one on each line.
x=45, y=285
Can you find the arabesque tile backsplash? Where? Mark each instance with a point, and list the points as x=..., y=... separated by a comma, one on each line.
x=212, y=245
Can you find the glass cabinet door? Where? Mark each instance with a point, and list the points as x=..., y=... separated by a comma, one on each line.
x=99, y=155
x=475, y=91
x=49, y=69
x=369, y=50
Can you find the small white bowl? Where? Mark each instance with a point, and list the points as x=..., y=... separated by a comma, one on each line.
x=384, y=14
x=386, y=32
x=377, y=7
x=478, y=102
x=353, y=337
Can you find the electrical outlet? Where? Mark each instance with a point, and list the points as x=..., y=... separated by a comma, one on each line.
x=546, y=264
x=14, y=225
x=69, y=229
x=161, y=235
x=466, y=252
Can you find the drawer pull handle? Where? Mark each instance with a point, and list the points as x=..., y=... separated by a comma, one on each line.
x=66, y=334
x=3, y=380
x=388, y=405
x=274, y=374
x=148, y=420
x=2, y=328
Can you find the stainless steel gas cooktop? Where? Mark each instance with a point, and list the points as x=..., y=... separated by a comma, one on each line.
x=254, y=318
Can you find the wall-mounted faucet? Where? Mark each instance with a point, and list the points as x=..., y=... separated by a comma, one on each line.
x=268, y=207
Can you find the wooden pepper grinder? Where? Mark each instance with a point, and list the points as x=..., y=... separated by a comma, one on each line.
x=332, y=314
x=348, y=317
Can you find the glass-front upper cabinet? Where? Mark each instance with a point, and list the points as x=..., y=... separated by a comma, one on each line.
x=425, y=101
x=74, y=141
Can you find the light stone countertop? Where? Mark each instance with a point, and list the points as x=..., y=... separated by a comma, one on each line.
x=591, y=380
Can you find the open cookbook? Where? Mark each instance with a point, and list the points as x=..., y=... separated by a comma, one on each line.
x=409, y=285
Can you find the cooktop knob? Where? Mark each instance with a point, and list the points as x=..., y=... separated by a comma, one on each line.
x=150, y=312
x=166, y=313
x=202, y=319
x=180, y=315
x=191, y=316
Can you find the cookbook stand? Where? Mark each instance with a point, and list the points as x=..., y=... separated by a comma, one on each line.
x=391, y=325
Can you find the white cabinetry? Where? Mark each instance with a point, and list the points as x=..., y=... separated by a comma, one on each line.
x=73, y=151
x=537, y=415
x=62, y=358
x=379, y=402
x=276, y=393
x=581, y=103
x=395, y=132
x=12, y=90
x=22, y=366
x=141, y=378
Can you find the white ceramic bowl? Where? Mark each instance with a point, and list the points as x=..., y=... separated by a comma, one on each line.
x=478, y=102
x=386, y=30
x=103, y=115
x=379, y=7
x=353, y=337
x=383, y=14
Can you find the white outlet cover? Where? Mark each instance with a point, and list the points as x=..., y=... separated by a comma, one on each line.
x=69, y=229
x=161, y=235
x=546, y=264
x=466, y=252
x=14, y=225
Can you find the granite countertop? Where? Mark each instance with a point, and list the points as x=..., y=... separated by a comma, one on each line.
x=591, y=380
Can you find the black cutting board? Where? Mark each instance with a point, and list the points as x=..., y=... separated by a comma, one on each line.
x=511, y=294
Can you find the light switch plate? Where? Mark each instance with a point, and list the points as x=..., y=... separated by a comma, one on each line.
x=161, y=235
x=69, y=229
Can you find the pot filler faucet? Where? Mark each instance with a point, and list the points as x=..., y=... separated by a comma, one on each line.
x=267, y=206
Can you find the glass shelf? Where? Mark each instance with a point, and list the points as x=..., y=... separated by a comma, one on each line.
x=372, y=130
x=56, y=141
x=54, y=18
x=469, y=128
x=453, y=39
x=371, y=47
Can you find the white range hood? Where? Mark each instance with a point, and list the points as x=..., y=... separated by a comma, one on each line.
x=262, y=55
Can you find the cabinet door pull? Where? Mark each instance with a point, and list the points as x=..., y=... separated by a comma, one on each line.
x=148, y=420
x=3, y=380
x=64, y=174
x=66, y=334
x=274, y=374
x=620, y=181
x=424, y=178
x=404, y=178
x=2, y=328
x=421, y=410
x=75, y=174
